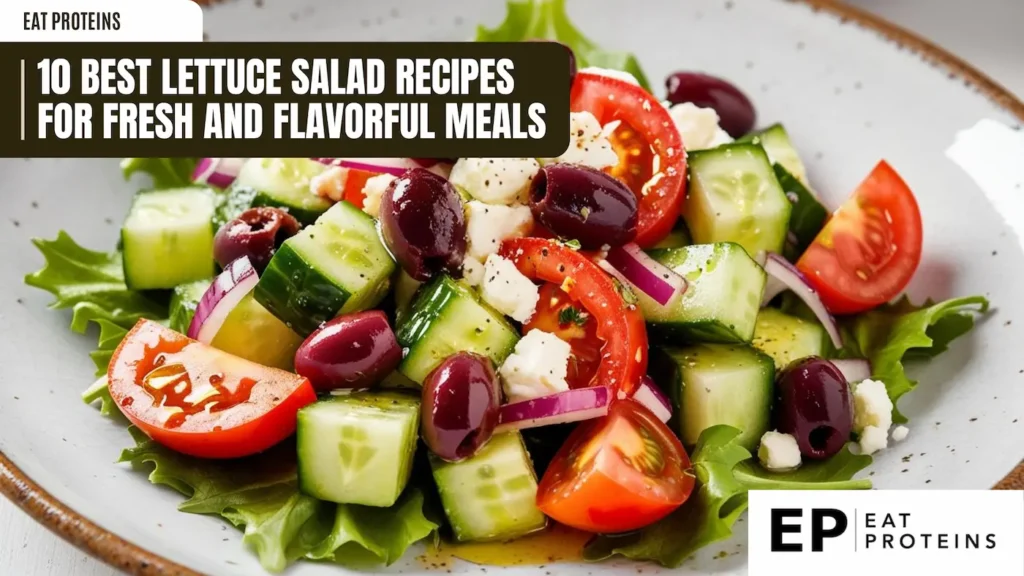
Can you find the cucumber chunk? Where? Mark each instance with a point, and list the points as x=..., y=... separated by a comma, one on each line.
x=722, y=298
x=447, y=317
x=677, y=238
x=787, y=338
x=776, y=143
x=712, y=384
x=358, y=449
x=184, y=301
x=807, y=217
x=492, y=495
x=167, y=238
x=338, y=265
x=250, y=331
x=284, y=183
x=231, y=203
x=735, y=197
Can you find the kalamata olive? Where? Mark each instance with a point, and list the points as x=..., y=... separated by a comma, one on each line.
x=256, y=233
x=813, y=403
x=736, y=113
x=431, y=162
x=353, y=351
x=581, y=203
x=460, y=406
x=423, y=224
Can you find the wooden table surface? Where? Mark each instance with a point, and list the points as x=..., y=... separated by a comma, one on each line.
x=983, y=32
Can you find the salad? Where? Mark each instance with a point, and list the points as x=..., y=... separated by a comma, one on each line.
x=347, y=356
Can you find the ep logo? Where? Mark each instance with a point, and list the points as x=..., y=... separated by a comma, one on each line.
x=822, y=523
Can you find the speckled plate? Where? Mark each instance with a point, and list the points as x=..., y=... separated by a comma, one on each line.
x=850, y=89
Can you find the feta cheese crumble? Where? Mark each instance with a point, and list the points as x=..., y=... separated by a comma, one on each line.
x=778, y=451
x=899, y=433
x=488, y=225
x=537, y=367
x=872, y=415
x=698, y=127
x=495, y=180
x=472, y=271
x=588, y=143
x=373, y=191
x=330, y=183
x=507, y=290
x=616, y=74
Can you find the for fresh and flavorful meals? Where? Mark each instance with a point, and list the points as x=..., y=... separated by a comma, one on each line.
x=347, y=356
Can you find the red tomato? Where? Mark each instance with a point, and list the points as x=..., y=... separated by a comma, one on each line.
x=618, y=324
x=560, y=315
x=355, y=180
x=617, y=473
x=869, y=249
x=652, y=160
x=200, y=401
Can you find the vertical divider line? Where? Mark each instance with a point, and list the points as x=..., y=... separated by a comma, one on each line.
x=23, y=100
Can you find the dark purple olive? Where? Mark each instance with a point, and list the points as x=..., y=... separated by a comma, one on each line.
x=354, y=351
x=460, y=406
x=423, y=224
x=256, y=233
x=572, y=57
x=813, y=403
x=736, y=113
x=431, y=162
x=581, y=203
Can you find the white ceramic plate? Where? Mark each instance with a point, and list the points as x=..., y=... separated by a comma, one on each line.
x=850, y=90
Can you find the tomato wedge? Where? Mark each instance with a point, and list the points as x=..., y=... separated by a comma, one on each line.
x=617, y=473
x=868, y=251
x=355, y=181
x=560, y=315
x=652, y=160
x=200, y=401
x=618, y=324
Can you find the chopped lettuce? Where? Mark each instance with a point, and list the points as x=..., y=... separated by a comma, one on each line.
x=894, y=332
x=725, y=472
x=165, y=172
x=547, y=20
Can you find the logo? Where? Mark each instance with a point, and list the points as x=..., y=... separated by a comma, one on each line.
x=818, y=530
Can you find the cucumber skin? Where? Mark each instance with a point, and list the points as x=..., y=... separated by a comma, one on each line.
x=295, y=292
x=305, y=216
x=231, y=203
x=807, y=217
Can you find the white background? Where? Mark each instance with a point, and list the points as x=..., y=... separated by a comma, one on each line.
x=986, y=33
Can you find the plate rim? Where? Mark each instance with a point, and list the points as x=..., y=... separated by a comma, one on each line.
x=132, y=559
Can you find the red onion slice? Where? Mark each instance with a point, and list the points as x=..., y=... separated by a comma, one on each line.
x=393, y=166
x=219, y=172
x=648, y=275
x=785, y=273
x=227, y=290
x=651, y=397
x=561, y=408
x=854, y=369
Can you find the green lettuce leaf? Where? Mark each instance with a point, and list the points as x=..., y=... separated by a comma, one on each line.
x=98, y=392
x=725, y=473
x=165, y=172
x=901, y=330
x=548, y=20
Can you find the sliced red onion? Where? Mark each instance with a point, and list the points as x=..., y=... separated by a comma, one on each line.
x=651, y=397
x=648, y=275
x=561, y=408
x=786, y=274
x=394, y=166
x=227, y=290
x=854, y=369
x=219, y=172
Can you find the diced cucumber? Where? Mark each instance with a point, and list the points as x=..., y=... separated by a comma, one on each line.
x=722, y=297
x=492, y=495
x=776, y=143
x=405, y=290
x=337, y=266
x=735, y=197
x=250, y=331
x=787, y=338
x=168, y=238
x=231, y=203
x=807, y=217
x=284, y=183
x=184, y=301
x=677, y=238
x=447, y=317
x=712, y=384
x=358, y=449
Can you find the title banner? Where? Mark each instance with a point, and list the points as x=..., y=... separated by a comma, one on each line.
x=292, y=99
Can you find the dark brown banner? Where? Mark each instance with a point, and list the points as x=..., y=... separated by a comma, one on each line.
x=395, y=99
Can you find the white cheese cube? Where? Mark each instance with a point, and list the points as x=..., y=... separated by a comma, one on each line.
x=373, y=190
x=616, y=74
x=588, y=143
x=698, y=127
x=873, y=439
x=778, y=451
x=495, y=180
x=899, y=433
x=507, y=290
x=537, y=367
x=472, y=271
x=871, y=406
x=487, y=225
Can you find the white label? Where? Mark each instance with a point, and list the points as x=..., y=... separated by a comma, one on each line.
x=100, y=21
x=872, y=532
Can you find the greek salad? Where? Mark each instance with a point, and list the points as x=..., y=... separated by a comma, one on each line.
x=346, y=356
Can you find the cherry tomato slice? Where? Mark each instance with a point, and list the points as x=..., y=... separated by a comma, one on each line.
x=618, y=324
x=652, y=160
x=617, y=473
x=560, y=315
x=868, y=251
x=200, y=401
